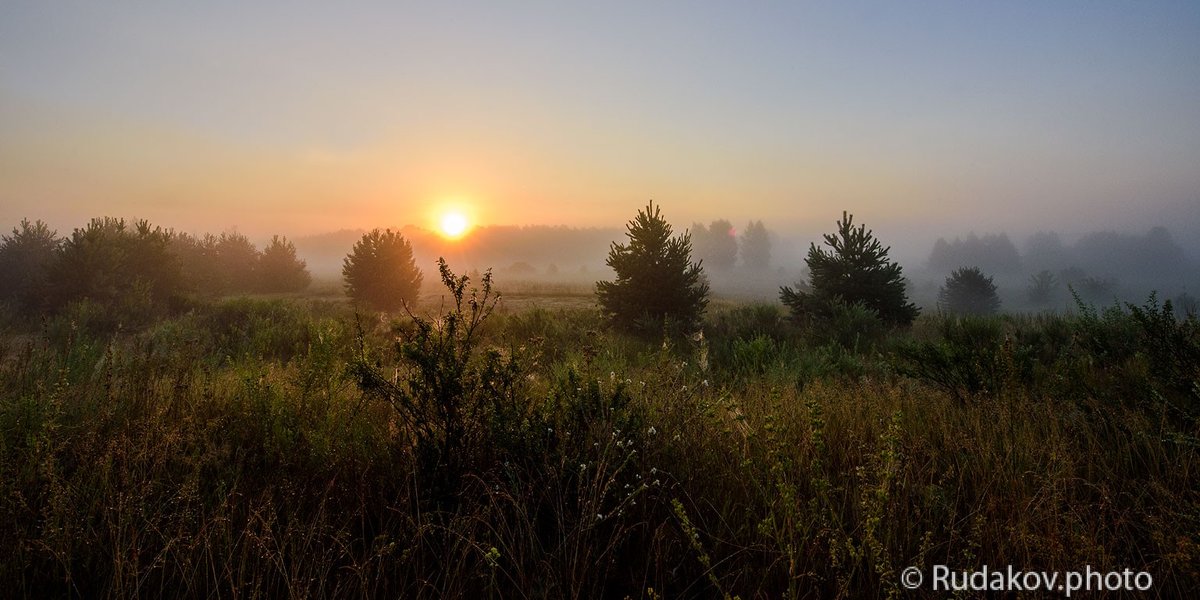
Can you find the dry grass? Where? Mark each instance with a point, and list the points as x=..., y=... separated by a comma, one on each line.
x=227, y=453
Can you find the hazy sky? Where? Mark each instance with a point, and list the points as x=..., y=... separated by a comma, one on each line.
x=298, y=118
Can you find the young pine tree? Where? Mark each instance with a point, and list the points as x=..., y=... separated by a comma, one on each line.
x=380, y=272
x=657, y=284
x=856, y=270
x=24, y=258
x=280, y=270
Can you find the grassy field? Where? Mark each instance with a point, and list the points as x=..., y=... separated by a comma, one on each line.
x=288, y=447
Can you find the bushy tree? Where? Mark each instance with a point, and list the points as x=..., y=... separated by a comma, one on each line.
x=657, y=284
x=280, y=270
x=24, y=257
x=237, y=259
x=128, y=271
x=969, y=292
x=380, y=272
x=716, y=245
x=756, y=247
x=856, y=270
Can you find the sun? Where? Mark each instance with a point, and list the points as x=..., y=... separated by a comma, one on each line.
x=453, y=225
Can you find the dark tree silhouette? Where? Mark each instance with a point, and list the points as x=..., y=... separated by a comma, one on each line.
x=969, y=292
x=657, y=284
x=716, y=246
x=855, y=271
x=380, y=272
x=237, y=259
x=280, y=270
x=130, y=272
x=24, y=258
x=197, y=257
x=756, y=247
x=996, y=253
x=1043, y=287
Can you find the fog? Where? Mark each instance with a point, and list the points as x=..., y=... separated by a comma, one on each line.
x=1101, y=266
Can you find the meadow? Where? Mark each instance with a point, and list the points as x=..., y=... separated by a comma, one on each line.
x=289, y=446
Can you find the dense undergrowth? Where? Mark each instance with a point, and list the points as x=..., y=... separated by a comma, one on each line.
x=257, y=448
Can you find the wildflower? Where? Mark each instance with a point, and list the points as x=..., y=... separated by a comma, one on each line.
x=654, y=470
x=652, y=430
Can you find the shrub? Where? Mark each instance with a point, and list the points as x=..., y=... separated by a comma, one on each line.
x=857, y=271
x=855, y=327
x=380, y=272
x=969, y=292
x=973, y=357
x=657, y=283
x=449, y=393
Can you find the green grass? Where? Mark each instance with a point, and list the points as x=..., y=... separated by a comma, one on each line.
x=235, y=450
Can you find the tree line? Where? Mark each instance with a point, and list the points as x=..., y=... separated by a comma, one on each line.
x=133, y=270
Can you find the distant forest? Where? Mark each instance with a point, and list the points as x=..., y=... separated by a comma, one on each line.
x=1043, y=272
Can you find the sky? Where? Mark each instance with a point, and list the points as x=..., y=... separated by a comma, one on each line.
x=298, y=118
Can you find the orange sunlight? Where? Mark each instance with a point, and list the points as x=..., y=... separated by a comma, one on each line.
x=453, y=225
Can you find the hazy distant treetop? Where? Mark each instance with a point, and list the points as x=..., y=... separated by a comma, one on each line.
x=756, y=247
x=380, y=272
x=1043, y=288
x=656, y=284
x=1154, y=254
x=856, y=270
x=995, y=253
x=715, y=245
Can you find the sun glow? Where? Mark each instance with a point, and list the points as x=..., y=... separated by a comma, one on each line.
x=453, y=225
